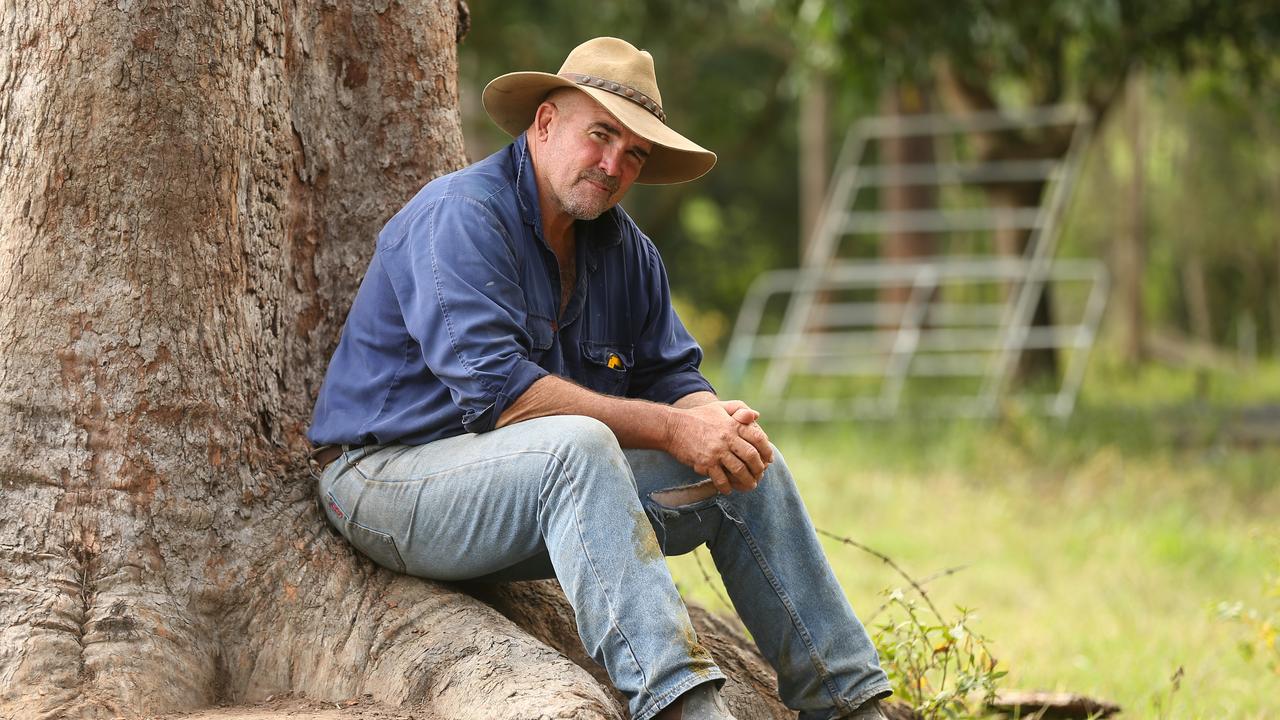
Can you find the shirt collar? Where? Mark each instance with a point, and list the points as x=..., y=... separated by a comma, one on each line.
x=526, y=184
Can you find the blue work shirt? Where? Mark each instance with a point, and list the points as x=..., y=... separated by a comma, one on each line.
x=458, y=314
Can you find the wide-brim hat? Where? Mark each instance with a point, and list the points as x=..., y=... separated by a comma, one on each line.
x=621, y=78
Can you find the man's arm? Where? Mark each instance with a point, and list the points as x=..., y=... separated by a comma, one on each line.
x=707, y=437
x=694, y=399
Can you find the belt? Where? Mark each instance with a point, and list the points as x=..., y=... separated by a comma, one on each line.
x=326, y=454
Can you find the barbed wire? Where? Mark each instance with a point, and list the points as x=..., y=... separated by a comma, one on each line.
x=917, y=585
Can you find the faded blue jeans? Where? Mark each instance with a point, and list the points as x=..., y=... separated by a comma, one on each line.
x=558, y=496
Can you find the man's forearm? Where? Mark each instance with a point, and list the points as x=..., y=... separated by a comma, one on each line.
x=718, y=439
x=636, y=423
x=694, y=399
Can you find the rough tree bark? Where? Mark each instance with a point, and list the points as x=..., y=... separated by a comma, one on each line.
x=188, y=195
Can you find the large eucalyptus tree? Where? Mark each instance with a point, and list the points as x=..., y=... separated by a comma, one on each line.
x=189, y=193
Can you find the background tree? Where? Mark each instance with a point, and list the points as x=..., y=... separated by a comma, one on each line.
x=188, y=196
x=999, y=55
x=738, y=74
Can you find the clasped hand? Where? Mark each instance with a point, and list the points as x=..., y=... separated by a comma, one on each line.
x=723, y=441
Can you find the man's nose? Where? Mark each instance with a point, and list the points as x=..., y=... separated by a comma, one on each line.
x=611, y=162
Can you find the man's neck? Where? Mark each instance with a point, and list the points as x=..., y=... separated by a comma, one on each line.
x=557, y=230
x=557, y=225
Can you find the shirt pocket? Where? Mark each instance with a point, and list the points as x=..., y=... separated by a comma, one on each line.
x=540, y=331
x=607, y=366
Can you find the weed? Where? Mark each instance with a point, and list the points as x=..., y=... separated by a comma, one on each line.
x=941, y=668
x=1261, y=624
x=1162, y=702
x=938, y=665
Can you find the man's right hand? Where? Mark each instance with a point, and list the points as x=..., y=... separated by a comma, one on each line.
x=722, y=441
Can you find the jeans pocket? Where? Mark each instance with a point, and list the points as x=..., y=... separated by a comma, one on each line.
x=378, y=546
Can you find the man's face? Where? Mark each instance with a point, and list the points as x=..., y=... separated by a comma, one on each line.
x=590, y=159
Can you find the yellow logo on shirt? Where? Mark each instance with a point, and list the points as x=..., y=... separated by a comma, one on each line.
x=615, y=362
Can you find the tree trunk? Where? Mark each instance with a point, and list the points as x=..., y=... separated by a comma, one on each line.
x=1037, y=364
x=189, y=194
x=815, y=156
x=903, y=99
x=1131, y=247
x=1034, y=364
x=1195, y=291
x=1269, y=132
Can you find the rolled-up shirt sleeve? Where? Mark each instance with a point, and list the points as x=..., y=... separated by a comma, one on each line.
x=667, y=356
x=455, y=276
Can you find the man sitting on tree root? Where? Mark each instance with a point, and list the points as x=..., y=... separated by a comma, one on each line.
x=514, y=397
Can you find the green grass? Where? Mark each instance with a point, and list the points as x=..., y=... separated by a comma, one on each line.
x=1095, y=551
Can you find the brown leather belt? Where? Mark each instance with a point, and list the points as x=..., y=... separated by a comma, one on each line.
x=326, y=454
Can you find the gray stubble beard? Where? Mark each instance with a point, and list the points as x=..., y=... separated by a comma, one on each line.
x=581, y=208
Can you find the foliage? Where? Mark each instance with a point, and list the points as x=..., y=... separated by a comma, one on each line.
x=937, y=665
x=941, y=668
x=1211, y=167
x=1261, y=625
x=732, y=71
x=1035, y=53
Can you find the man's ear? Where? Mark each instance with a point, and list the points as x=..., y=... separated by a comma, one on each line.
x=542, y=119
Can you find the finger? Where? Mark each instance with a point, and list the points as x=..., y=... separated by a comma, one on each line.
x=721, y=480
x=747, y=453
x=743, y=482
x=738, y=474
x=755, y=435
x=739, y=411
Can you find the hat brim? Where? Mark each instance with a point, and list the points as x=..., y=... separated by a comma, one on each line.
x=512, y=100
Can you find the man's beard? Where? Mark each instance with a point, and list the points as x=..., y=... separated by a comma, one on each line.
x=582, y=201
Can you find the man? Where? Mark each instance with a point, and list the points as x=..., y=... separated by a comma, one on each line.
x=514, y=397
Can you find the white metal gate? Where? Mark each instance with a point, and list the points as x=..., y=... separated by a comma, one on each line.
x=837, y=348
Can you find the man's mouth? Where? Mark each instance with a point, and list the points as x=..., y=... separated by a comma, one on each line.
x=602, y=182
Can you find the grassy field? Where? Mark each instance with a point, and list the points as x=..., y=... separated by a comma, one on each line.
x=1096, y=552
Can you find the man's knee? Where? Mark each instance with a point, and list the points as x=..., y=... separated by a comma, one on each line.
x=777, y=478
x=778, y=468
x=584, y=434
x=588, y=455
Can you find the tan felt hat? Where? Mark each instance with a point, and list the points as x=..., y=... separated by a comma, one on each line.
x=620, y=77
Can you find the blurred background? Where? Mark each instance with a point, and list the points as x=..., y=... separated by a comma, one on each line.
x=1025, y=340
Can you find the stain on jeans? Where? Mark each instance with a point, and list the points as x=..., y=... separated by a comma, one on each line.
x=700, y=660
x=643, y=538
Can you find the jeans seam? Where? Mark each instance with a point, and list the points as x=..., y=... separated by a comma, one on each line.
x=577, y=522
x=797, y=624
x=870, y=693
